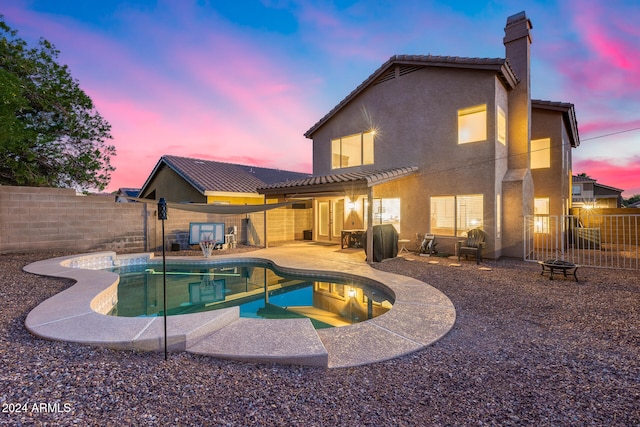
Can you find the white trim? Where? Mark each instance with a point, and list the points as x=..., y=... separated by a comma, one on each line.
x=231, y=194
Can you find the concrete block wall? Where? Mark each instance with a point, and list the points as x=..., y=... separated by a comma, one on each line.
x=177, y=227
x=255, y=229
x=36, y=219
x=284, y=225
x=45, y=219
x=280, y=224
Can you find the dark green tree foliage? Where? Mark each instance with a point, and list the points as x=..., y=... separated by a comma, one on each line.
x=50, y=133
x=632, y=199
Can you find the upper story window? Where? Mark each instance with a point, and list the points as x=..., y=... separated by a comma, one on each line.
x=352, y=150
x=540, y=153
x=472, y=124
x=502, y=126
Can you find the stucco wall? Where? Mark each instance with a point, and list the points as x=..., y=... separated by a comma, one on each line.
x=415, y=116
x=416, y=120
x=552, y=182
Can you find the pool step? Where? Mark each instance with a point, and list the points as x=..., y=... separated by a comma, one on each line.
x=183, y=331
x=284, y=341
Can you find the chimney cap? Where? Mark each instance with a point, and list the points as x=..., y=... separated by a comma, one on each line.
x=517, y=18
x=518, y=27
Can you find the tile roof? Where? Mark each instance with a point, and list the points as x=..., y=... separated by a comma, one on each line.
x=209, y=175
x=131, y=192
x=368, y=178
x=552, y=105
x=580, y=178
x=499, y=65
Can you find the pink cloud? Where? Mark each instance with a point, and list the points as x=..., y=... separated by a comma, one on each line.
x=604, y=61
x=604, y=44
x=619, y=174
x=221, y=98
x=598, y=127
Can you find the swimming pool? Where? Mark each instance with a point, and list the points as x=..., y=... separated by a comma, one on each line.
x=259, y=289
x=420, y=315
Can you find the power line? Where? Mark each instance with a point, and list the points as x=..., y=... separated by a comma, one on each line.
x=484, y=161
x=480, y=162
x=609, y=134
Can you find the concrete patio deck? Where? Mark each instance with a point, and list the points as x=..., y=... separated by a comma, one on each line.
x=420, y=315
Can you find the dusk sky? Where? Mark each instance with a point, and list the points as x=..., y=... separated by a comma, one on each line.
x=241, y=81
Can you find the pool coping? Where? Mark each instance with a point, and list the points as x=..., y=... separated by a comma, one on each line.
x=420, y=316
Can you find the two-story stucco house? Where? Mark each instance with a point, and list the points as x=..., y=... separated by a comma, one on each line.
x=442, y=145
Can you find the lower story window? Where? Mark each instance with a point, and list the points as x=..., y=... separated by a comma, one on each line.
x=455, y=215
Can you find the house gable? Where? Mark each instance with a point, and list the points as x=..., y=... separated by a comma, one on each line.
x=184, y=179
x=415, y=118
x=568, y=115
x=400, y=65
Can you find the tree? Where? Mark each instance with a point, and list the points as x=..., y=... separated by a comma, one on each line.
x=632, y=199
x=50, y=132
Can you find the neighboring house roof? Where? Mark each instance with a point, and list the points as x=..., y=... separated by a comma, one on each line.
x=568, y=112
x=339, y=181
x=412, y=63
x=211, y=176
x=124, y=195
x=576, y=178
x=606, y=187
x=580, y=178
x=130, y=192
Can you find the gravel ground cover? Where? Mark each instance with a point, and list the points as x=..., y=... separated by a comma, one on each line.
x=525, y=350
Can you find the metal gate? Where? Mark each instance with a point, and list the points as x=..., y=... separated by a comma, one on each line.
x=607, y=241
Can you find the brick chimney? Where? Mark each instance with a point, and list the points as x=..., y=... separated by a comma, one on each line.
x=517, y=43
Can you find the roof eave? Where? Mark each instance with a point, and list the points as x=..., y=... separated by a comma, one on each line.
x=151, y=176
x=218, y=193
x=362, y=86
x=502, y=67
x=328, y=183
x=607, y=187
x=569, y=114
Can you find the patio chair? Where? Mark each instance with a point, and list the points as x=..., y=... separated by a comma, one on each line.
x=472, y=245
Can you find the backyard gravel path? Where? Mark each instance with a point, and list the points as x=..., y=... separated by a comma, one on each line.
x=524, y=351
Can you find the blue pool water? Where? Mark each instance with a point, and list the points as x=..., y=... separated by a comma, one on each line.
x=258, y=289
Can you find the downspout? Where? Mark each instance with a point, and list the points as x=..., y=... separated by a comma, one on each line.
x=370, y=226
x=145, y=227
x=264, y=223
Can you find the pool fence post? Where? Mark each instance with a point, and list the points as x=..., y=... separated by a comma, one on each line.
x=162, y=215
